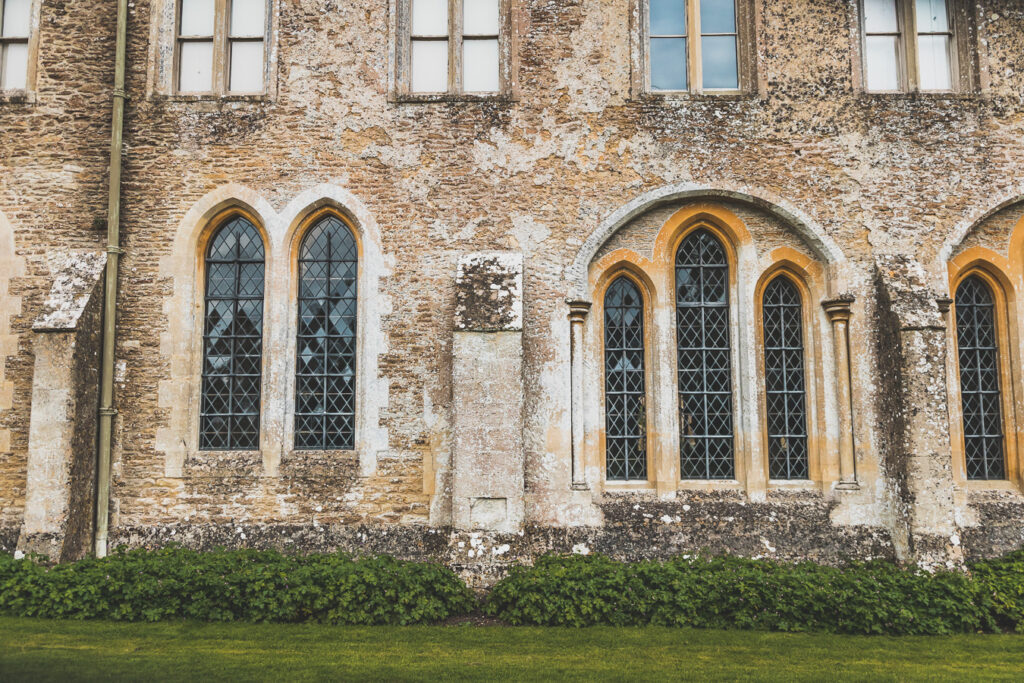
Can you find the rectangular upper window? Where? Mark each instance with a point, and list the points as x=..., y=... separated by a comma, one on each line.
x=453, y=47
x=15, y=23
x=220, y=46
x=696, y=45
x=910, y=45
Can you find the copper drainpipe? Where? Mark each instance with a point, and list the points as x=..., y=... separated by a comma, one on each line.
x=107, y=411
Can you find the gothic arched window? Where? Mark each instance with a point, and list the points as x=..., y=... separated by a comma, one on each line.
x=625, y=390
x=784, y=379
x=232, y=338
x=325, y=375
x=978, y=351
x=703, y=353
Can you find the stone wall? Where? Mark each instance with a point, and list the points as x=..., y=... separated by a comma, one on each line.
x=575, y=166
x=54, y=150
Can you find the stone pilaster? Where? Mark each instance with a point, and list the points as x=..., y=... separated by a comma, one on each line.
x=839, y=312
x=578, y=311
x=914, y=415
x=59, y=496
x=487, y=390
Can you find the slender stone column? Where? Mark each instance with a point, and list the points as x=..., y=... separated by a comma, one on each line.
x=578, y=311
x=838, y=312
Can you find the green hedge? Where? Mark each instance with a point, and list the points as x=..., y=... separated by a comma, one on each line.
x=723, y=592
x=734, y=593
x=245, y=585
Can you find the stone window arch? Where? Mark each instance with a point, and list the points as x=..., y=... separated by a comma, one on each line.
x=988, y=250
x=181, y=341
x=326, y=339
x=705, y=282
x=785, y=379
x=978, y=361
x=234, y=269
x=982, y=395
x=625, y=382
x=703, y=357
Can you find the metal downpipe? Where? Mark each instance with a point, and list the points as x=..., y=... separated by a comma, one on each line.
x=107, y=411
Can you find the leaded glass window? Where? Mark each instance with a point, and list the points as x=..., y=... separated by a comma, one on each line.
x=979, y=380
x=784, y=381
x=232, y=338
x=625, y=393
x=703, y=353
x=325, y=376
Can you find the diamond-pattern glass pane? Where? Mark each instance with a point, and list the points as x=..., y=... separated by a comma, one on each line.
x=325, y=371
x=625, y=393
x=703, y=358
x=229, y=413
x=784, y=381
x=979, y=380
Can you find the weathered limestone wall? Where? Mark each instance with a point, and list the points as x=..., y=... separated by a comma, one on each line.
x=61, y=477
x=807, y=161
x=54, y=145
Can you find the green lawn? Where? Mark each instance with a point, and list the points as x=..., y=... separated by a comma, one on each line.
x=39, y=650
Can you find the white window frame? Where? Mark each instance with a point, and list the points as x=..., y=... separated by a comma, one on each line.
x=32, y=47
x=746, y=54
x=908, y=68
x=221, y=68
x=507, y=58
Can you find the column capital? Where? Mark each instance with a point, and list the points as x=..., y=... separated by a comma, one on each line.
x=578, y=310
x=944, y=302
x=838, y=309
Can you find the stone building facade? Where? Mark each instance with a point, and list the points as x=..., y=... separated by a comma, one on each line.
x=519, y=233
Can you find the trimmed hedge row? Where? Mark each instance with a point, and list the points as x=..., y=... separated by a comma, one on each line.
x=723, y=592
x=729, y=592
x=244, y=585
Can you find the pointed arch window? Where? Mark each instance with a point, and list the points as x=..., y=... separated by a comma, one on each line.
x=978, y=355
x=625, y=386
x=232, y=338
x=703, y=358
x=785, y=380
x=325, y=377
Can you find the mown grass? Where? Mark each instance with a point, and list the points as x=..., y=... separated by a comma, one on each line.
x=39, y=650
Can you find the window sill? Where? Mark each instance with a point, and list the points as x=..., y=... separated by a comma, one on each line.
x=452, y=98
x=17, y=97
x=617, y=486
x=213, y=97
x=922, y=95
x=673, y=96
x=790, y=484
x=991, y=485
x=710, y=485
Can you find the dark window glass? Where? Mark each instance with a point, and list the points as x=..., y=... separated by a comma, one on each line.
x=232, y=339
x=979, y=380
x=325, y=374
x=703, y=352
x=784, y=381
x=625, y=396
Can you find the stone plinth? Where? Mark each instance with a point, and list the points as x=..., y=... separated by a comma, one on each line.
x=487, y=381
x=59, y=497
